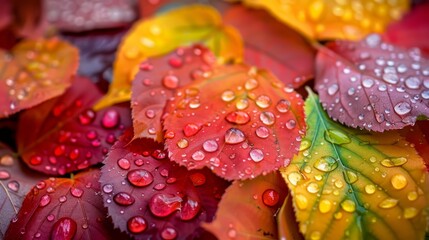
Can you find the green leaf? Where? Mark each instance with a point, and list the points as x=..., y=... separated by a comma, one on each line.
x=354, y=184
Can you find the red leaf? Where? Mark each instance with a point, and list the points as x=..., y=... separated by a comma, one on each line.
x=412, y=30
x=419, y=136
x=63, y=208
x=150, y=197
x=64, y=135
x=36, y=71
x=247, y=209
x=156, y=82
x=240, y=122
x=83, y=15
x=373, y=85
x=16, y=181
x=272, y=45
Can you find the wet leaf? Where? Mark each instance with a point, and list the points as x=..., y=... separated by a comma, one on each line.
x=240, y=122
x=279, y=48
x=162, y=34
x=373, y=85
x=247, y=209
x=15, y=181
x=418, y=135
x=62, y=208
x=64, y=134
x=156, y=83
x=35, y=71
x=328, y=19
x=149, y=196
x=82, y=15
x=349, y=183
x=412, y=30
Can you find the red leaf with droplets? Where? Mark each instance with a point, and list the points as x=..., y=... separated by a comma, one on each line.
x=64, y=135
x=240, y=122
x=373, y=85
x=83, y=15
x=34, y=72
x=149, y=196
x=16, y=181
x=156, y=82
x=280, y=49
x=63, y=208
x=247, y=208
x=412, y=30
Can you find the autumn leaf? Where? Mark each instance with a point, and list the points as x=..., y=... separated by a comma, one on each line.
x=62, y=208
x=162, y=34
x=287, y=224
x=349, y=183
x=328, y=19
x=64, y=134
x=247, y=209
x=15, y=181
x=373, y=85
x=35, y=71
x=149, y=196
x=418, y=135
x=279, y=48
x=156, y=83
x=240, y=121
x=82, y=15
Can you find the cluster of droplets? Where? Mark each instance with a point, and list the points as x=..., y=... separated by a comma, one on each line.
x=399, y=75
x=6, y=162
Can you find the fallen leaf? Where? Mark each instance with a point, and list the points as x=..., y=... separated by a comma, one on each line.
x=356, y=184
x=35, y=71
x=329, y=19
x=149, y=196
x=247, y=209
x=373, y=85
x=62, y=208
x=240, y=121
x=156, y=83
x=282, y=50
x=162, y=34
x=15, y=181
x=64, y=134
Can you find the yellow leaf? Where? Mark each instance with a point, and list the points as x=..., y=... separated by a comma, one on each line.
x=354, y=184
x=329, y=19
x=162, y=34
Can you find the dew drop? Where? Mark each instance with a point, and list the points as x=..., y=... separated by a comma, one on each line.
x=6, y=160
x=367, y=83
x=412, y=83
x=305, y=144
x=76, y=192
x=262, y=132
x=402, y=108
x=336, y=136
x=325, y=206
x=352, y=177
x=270, y=197
x=315, y=235
x=251, y=84
x=398, y=181
x=50, y=217
x=45, y=200
x=62, y=199
x=370, y=189
x=124, y=163
x=169, y=233
x=210, y=146
x=290, y=124
x=65, y=228
x=301, y=201
x=198, y=156
x=294, y=178
x=313, y=187
x=326, y=164
x=388, y=203
x=412, y=196
x=13, y=185
x=136, y=224
x=242, y=104
x=191, y=129
x=182, y=143
x=35, y=160
x=256, y=155
x=238, y=117
x=123, y=199
x=110, y=119
x=162, y=205
x=267, y=118
x=228, y=96
x=108, y=188
x=394, y=162
x=348, y=206
x=140, y=177
x=170, y=81
x=4, y=175
x=197, y=179
x=410, y=212
x=234, y=136
x=175, y=62
x=263, y=101
x=189, y=209
x=373, y=40
x=87, y=117
x=333, y=89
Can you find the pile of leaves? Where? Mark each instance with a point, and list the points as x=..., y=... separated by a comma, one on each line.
x=188, y=119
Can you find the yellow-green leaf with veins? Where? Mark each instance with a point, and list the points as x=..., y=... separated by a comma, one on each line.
x=164, y=33
x=354, y=184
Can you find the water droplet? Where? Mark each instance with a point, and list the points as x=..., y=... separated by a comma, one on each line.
x=35, y=160
x=263, y=101
x=337, y=137
x=140, y=177
x=373, y=40
x=294, y=178
x=262, y=132
x=108, y=188
x=251, y=84
x=412, y=196
x=136, y=224
x=124, y=163
x=398, y=181
x=228, y=96
x=76, y=192
x=64, y=228
x=333, y=89
x=370, y=189
x=50, y=217
x=290, y=124
x=388, y=203
x=267, y=118
x=412, y=82
x=315, y=235
x=325, y=206
x=238, y=117
x=197, y=179
x=45, y=200
x=110, y=119
x=13, y=185
x=6, y=160
x=190, y=209
x=198, y=156
x=232, y=233
x=367, y=83
x=402, y=108
x=394, y=162
x=170, y=81
x=175, y=62
x=123, y=199
x=210, y=146
x=159, y=186
x=352, y=177
x=234, y=136
x=326, y=164
x=348, y=206
x=191, y=129
x=162, y=205
x=87, y=117
x=182, y=143
x=313, y=187
x=305, y=144
x=169, y=233
x=74, y=154
x=256, y=155
x=301, y=201
x=242, y=104
x=283, y=106
x=270, y=197
x=4, y=175
x=410, y=212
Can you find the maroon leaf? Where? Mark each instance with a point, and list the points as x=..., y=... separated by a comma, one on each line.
x=271, y=44
x=63, y=208
x=63, y=135
x=150, y=197
x=418, y=135
x=373, y=85
x=82, y=15
x=156, y=82
x=16, y=181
